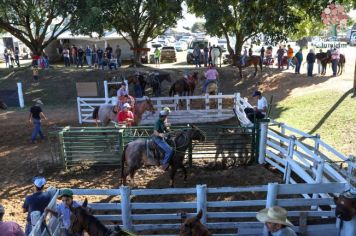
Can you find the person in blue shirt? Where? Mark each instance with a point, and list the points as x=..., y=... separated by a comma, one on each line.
x=37, y=201
x=63, y=209
x=160, y=129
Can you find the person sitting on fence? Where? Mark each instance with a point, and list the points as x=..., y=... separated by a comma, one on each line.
x=125, y=116
x=160, y=129
x=275, y=219
x=36, y=203
x=121, y=92
x=113, y=63
x=258, y=112
x=9, y=228
x=63, y=209
x=211, y=77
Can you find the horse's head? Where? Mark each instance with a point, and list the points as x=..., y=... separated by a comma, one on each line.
x=77, y=218
x=195, y=75
x=345, y=206
x=193, y=227
x=167, y=77
x=3, y=105
x=197, y=134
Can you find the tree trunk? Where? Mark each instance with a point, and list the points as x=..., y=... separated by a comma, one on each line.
x=137, y=53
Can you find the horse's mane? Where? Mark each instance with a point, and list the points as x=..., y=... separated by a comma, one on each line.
x=93, y=220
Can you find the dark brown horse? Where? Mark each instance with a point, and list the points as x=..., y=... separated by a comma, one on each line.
x=345, y=206
x=81, y=220
x=325, y=59
x=252, y=60
x=3, y=105
x=184, y=86
x=140, y=152
x=193, y=227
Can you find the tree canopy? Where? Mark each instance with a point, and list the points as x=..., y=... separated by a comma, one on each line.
x=37, y=23
x=198, y=27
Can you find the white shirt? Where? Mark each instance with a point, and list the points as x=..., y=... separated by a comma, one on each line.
x=261, y=104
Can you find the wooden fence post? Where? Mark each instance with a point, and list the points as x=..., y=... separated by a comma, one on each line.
x=263, y=141
x=290, y=153
x=202, y=202
x=20, y=93
x=106, y=91
x=176, y=101
x=125, y=192
x=207, y=104
x=159, y=105
x=220, y=103
x=272, y=192
x=79, y=111
x=318, y=179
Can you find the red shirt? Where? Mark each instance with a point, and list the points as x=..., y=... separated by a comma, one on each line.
x=123, y=116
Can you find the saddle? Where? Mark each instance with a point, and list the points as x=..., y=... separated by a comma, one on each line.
x=154, y=152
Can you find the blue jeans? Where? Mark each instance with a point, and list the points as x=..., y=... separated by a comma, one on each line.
x=197, y=61
x=166, y=148
x=310, y=69
x=290, y=63
x=206, y=59
x=37, y=130
x=206, y=83
x=66, y=61
x=138, y=91
x=334, y=66
x=80, y=61
x=297, y=67
x=88, y=58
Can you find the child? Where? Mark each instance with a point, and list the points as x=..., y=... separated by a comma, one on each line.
x=35, y=74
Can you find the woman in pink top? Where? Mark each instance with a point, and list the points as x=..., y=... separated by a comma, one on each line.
x=9, y=228
x=211, y=77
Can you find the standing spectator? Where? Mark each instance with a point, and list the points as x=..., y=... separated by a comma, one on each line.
x=206, y=55
x=280, y=55
x=7, y=58
x=12, y=58
x=66, y=57
x=210, y=59
x=319, y=62
x=125, y=116
x=35, y=117
x=290, y=54
x=108, y=51
x=197, y=55
x=118, y=55
x=35, y=73
x=9, y=228
x=74, y=54
x=95, y=57
x=244, y=56
x=157, y=55
x=262, y=54
x=80, y=57
x=335, y=57
x=311, y=60
x=137, y=86
x=88, y=55
x=258, y=112
x=100, y=54
x=250, y=52
x=17, y=58
x=275, y=219
x=37, y=201
x=299, y=59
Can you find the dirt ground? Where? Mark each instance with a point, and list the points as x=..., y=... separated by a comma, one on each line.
x=20, y=160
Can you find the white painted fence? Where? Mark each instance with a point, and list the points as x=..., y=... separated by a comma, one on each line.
x=195, y=109
x=233, y=216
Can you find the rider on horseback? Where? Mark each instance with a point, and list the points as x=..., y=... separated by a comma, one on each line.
x=211, y=77
x=160, y=129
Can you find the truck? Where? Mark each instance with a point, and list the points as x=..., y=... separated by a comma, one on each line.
x=201, y=42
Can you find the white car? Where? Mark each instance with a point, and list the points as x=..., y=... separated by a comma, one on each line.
x=181, y=46
x=353, y=39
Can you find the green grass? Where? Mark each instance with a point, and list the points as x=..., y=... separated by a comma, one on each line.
x=324, y=113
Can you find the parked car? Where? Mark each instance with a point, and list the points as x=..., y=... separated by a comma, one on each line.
x=202, y=43
x=168, y=54
x=353, y=39
x=181, y=46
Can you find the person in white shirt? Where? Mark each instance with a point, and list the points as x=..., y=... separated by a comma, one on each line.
x=260, y=111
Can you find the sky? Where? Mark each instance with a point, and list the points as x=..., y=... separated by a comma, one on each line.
x=189, y=19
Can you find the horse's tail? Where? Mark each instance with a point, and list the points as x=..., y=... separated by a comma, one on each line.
x=123, y=163
x=95, y=113
x=261, y=63
x=172, y=90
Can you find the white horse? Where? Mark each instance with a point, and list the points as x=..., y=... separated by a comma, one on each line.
x=215, y=54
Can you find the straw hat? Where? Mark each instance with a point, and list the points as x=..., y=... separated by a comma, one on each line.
x=276, y=214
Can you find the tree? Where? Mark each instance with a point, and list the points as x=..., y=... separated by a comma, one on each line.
x=198, y=27
x=274, y=19
x=137, y=21
x=37, y=23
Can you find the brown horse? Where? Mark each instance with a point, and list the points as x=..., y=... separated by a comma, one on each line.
x=184, y=86
x=193, y=227
x=252, y=60
x=325, y=59
x=81, y=220
x=3, y=105
x=106, y=113
x=345, y=206
x=140, y=152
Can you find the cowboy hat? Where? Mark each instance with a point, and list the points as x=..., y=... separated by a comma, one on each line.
x=276, y=214
x=38, y=102
x=39, y=181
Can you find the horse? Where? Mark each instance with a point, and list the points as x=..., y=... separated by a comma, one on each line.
x=193, y=227
x=139, y=152
x=325, y=59
x=252, y=60
x=3, y=105
x=212, y=89
x=153, y=79
x=81, y=220
x=106, y=113
x=184, y=86
x=345, y=206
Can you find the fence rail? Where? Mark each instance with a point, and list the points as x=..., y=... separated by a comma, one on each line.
x=224, y=211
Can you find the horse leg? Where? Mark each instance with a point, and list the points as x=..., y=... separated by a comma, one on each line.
x=132, y=179
x=240, y=72
x=255, y=71
x=172, y=174
x=184, y=173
